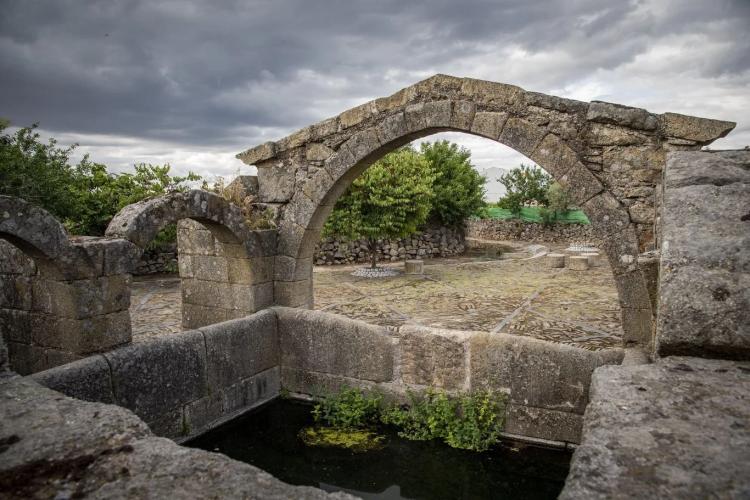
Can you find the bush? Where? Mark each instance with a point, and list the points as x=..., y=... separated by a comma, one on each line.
x=458, y=187
x=471, y=421
x=558, y=199
x=84, y=197
x=524, y=185
x=347, y=409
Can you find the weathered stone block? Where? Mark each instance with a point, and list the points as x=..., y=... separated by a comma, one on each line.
x=555, y=260
x=251, y=391
x=489, y=123
x=498, y=95
x=257, y=154
x=694, y=128
x=88, y=379
x=600, y=134
x=361, y=144
x=637, y=326
x=522, y=136
x=645, y=432
x=196, y=316
x=318, y=152
x=205, y=293
x=357, y=115
x=555, y=156
x=428, y=115
x=293, y=293
x=391, y=128
x=414, y=267
x=15, y=325
x=537, y=373
x=326, y=343
x=617, y=114
x=578, y=263
x=276, y=181
x=607, y=215
x=581, y=184
x=542, y=423
x=241, y=348
x=15, y=292
x=160, y=375
x=291, y=269
x=433, y=357
x=210, y=268
x=463, y=115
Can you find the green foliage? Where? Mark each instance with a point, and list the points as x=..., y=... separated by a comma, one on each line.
x=85, y=196
x=471, y=421
x=390, y=200
x=524, y=184
x=458, y=188
x=347, y=409
x=558, y=198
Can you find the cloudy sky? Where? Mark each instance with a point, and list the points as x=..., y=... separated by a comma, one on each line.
x=193, y=83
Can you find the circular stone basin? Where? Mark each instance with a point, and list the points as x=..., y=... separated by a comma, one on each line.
x=378, y=272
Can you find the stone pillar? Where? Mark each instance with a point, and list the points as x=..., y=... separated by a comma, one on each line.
x=578, y=263
x=414, y=266
x=219, y=280
x=555, y=260
x=52, y=313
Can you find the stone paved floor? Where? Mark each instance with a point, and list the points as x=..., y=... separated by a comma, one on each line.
x=514, y=295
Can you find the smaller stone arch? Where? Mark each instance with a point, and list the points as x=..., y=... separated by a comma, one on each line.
x=225, y=266
x=62, y=298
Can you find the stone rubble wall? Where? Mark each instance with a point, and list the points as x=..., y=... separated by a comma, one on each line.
x=547, y=383
x=502, y=230
x=432, y=242
x=163, y=261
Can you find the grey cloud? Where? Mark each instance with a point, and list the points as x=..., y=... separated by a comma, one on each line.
x=202, y=73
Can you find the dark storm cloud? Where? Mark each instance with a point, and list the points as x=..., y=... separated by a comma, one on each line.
x=204, y=72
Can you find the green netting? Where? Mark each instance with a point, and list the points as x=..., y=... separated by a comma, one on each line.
x=531, y=214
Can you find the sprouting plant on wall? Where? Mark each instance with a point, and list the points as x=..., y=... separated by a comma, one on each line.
x=470, y=421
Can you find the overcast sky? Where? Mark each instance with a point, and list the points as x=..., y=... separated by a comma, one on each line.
x=193, y=83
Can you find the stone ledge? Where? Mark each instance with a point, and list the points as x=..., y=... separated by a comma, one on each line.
x=674, y=429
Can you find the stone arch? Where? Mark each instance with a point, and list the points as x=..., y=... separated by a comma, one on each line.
x=609, y=156
x=226, y=268
x=60, y=301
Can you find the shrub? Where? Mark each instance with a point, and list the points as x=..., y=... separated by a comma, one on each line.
x=558, y=199
x=347, y=409
x=524, y=185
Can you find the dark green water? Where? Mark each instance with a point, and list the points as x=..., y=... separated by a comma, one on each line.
x=267, y=438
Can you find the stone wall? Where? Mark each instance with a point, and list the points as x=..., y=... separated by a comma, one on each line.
x=182, y=384
x=498, y=229
x=432, y=242
x=159, y=261
x=547, y=383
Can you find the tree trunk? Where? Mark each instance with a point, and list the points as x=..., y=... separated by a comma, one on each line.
x=373, y=254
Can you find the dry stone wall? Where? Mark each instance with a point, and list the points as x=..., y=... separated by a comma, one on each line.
x=432, y=242
x=498, y=229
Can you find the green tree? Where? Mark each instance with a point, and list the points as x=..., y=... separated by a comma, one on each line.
x=558, y=199
x=85, y=196
x=390, y=200
x=458, y=187
x=523, y=185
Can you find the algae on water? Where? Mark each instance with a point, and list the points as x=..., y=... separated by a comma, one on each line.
x=356, y=440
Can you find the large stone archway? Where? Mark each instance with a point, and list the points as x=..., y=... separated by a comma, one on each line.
x=609, y=156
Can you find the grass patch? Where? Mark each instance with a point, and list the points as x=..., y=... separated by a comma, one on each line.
x=531, y=214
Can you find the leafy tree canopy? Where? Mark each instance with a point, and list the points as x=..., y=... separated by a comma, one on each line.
x=458, y=187
x=390, y=200
x=524, y=185
x=85, y=196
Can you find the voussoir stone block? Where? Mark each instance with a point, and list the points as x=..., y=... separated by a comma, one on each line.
x=489, y=123
x=428, y=115
x=522, y=136
x=154, y=377
x=606, y=112
x=694, y=128
x=326, y=343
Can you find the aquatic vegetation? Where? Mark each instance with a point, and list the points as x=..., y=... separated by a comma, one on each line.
x=470, y=421
x=349, y=408
x=356, y=440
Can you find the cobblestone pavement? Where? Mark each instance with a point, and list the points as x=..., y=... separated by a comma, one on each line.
x=514, y=295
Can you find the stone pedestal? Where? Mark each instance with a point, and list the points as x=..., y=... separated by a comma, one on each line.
x=593, y=258
x=578, y=262
x=555, y=260
x=414, y=266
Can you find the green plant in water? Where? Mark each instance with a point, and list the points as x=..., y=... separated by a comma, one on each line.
x=349, y=408
x=356, y=440
x=471, y=421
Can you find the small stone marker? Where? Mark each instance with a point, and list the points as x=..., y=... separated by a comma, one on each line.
x=593, y=258
x=578, y=263
x=414, y=266
x=555, y=260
